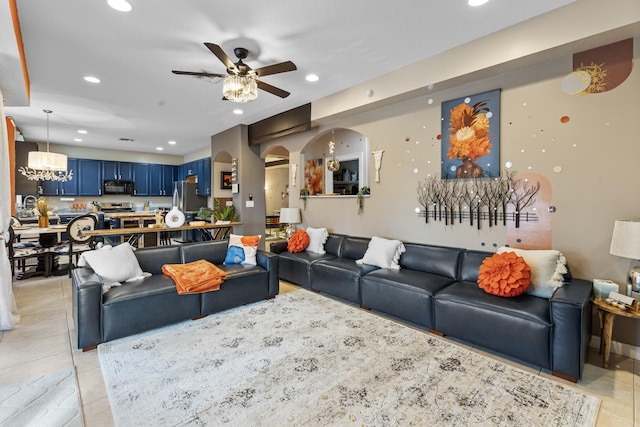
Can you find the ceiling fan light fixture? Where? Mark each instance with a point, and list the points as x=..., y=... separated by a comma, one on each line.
x=240, y=88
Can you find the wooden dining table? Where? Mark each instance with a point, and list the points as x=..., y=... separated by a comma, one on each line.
x=209, y=231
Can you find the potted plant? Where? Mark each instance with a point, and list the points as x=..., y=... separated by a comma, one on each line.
x=42, y=211
x=304, y=194
x=363, y=191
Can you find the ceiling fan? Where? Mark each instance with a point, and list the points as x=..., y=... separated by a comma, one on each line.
x=241, y=80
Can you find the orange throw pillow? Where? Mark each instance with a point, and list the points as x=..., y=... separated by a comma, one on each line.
x=298, y=241
x=505, y=274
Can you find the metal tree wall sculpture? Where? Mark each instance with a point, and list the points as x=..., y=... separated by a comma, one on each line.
x=477, y=199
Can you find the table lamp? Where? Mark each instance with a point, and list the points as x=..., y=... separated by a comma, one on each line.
x=290, y=216
x=625, y=243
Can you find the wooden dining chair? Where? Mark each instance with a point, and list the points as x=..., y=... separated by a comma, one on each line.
x=77, y=242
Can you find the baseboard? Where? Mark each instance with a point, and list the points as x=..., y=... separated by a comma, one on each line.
x=620, y=348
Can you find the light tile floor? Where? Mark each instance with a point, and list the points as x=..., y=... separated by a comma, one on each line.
x=44, y=343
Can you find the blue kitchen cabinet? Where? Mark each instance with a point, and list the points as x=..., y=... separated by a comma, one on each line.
x=203, y=170
x=141, y=179
x=122, y=171
x=161, y=179
x=57, y=188
x=89, y=177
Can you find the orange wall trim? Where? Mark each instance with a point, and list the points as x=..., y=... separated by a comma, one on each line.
x=11, y=141
x=16, y=28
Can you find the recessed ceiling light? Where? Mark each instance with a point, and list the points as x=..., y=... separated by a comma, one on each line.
x=159, y=148
x=92, y=79
x=477, y=2
x=77, y=139
x=238, y=111
x=120, y=5
x=172, y=143
x=82, y=131
x=312, y=78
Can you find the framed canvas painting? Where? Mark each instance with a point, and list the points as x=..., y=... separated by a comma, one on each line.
x=471, y=136
x=225, y=180
x=313, y=176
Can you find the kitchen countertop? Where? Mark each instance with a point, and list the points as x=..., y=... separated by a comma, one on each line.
x=143, y=214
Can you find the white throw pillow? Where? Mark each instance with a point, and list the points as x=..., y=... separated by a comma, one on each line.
x=317, y=239
x=113, y=264
x=383, y=253
x=547, y=269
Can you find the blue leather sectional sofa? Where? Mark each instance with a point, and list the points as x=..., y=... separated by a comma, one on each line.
x=436, y=289
x=153, y=302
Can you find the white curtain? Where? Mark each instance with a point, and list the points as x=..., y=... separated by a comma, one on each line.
x=8, y=310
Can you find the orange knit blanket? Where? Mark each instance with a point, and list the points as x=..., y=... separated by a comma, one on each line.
x=195, y=277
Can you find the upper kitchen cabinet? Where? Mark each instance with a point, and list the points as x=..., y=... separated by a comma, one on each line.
x=57, y=188
x=197, y=171
x=141, y=179
x=117, y=170
x=89, y=176
x=161, y=179
x=203, y=168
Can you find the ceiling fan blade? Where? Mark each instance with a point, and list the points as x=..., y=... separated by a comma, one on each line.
x=272, y=89
x=282, y=67
x=199, y=74
x=222, y=56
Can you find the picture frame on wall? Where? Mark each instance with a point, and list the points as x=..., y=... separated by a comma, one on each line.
x=225, y=180
x=471, y=136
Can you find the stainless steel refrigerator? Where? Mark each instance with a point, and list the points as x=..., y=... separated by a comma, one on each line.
x=185, y=197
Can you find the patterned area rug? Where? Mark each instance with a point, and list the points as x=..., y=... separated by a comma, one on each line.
x=306, y=360
x=50, y=400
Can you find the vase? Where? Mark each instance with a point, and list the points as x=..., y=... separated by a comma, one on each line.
x=174, y=218
x=43, y=221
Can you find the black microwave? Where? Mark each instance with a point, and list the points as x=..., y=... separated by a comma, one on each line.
x=118, y=187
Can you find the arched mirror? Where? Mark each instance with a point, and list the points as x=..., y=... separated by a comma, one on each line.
x=336, y=163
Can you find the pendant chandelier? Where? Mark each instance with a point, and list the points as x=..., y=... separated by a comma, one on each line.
x=46, y=166
x=240, y=88
x=333, y=164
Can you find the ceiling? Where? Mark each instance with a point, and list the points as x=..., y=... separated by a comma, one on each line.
x=343, y=42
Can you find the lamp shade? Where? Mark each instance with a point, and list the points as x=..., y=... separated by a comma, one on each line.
x=625, y=241
x=44, y=160
x=290, y=215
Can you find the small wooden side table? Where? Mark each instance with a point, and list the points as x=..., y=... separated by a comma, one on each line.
x=607, y=313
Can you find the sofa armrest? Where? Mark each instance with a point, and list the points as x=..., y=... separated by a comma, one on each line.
x=87, y=304
x=277, y=247
x=571, y=319
x=271, y=263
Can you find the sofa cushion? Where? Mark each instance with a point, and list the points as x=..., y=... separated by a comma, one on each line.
x=505, y=274
x=519, y=327
x=298, y=241
x=113, y=264
x=547, y=269
x=438, y=260
x=354, y=247
x=242, y=249
x=339, y=277
x=317, y=239
x=405, y=294
x=383, y=253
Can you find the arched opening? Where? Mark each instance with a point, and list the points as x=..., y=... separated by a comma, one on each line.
x=221, y=187
x=342, y=172
x=276, y=189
